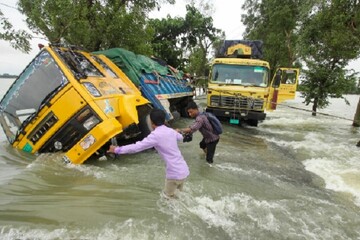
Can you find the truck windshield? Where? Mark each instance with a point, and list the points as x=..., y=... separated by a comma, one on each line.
x=34, y=88
x=79, y=65
x=240, y=75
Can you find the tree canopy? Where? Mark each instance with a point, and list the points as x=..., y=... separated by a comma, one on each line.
x=166, y=42
x=19, y=39
x=185, y=42
x=274, y=22
x=92, y=24
x=323, y=35
x=329, y=39
x=97, y=25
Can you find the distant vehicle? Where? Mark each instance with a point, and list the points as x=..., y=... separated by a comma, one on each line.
x=75, y=102
x=240, y=88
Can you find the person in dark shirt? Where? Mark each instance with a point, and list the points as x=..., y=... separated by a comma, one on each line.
x=201, y=123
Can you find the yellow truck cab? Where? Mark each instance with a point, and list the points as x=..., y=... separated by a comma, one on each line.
x=240, y=88
x=74, y=102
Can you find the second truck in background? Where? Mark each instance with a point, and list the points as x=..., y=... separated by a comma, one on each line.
x=240, y=87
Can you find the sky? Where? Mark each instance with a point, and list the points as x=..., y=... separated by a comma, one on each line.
x=14, y=61
x=226, y=16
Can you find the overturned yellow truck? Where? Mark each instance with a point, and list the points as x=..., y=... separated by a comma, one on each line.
x=75, y=102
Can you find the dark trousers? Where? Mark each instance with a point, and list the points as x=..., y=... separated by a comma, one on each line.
x=210, y=149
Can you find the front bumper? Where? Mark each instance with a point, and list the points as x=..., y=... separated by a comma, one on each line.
x=237, y=114
x=101, y=134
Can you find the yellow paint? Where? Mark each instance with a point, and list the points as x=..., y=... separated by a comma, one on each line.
x=116, y=108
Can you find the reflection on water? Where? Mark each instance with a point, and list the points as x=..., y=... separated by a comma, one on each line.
x=293, y=177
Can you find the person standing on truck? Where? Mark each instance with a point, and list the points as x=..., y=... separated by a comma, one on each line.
x=164, y=140
x=191, y=82
x=201, y=123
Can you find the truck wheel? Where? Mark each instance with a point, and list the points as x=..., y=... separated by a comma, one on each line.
x=144, y=125
x=182, y=107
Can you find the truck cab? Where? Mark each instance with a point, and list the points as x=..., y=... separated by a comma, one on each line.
x=240, y=87
x=67, y=100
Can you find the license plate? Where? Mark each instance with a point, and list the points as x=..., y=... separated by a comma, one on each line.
x=234, y=121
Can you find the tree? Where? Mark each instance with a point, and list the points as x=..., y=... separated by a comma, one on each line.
x=19, y=39
x=185, y=42
x=329, y=40
x=92, y=24
x=322, y=34
x=275, y=23
x=166, y=42
x=200, y=38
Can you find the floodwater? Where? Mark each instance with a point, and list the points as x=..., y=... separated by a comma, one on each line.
x=293, y=177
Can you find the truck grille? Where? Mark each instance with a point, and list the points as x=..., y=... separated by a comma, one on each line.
x=71, y=132
x=43, y=127
x=237, y=102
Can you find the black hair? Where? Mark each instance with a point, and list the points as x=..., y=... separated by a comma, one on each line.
x=191, y=105
x=157, y=116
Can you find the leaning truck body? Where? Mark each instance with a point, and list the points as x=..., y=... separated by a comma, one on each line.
x=163, y=85
x=240, y=87
x=74, y=102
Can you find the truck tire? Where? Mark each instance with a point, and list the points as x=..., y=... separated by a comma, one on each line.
x=182, y=107
x=144, y=125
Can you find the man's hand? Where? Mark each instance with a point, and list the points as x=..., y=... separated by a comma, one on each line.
x=185, y=130
x=111, y=149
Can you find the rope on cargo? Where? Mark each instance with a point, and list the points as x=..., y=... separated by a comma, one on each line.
x=160, y=78
x=285, y=105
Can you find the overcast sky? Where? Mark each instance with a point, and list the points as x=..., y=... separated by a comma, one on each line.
x=226, y=16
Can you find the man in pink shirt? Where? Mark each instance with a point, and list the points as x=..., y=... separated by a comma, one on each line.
x=164, y=140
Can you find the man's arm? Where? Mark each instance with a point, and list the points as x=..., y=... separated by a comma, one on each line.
x=194, y=127
x=146, y=143
x=184, y=130
x=179, y=137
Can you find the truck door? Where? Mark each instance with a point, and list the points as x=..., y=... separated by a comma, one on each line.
x=283, y=86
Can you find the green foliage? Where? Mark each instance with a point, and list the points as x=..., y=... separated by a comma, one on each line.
x=355, y=88
x=274, y=22
x=92, y=24
x=19, y=39
x=185, y=42
x=97, y=24
x=6, y=75
x=199, y=40
x=324, y=35
x=328, y=43
x=321, y=83
x=166, y=41
x=197, y=62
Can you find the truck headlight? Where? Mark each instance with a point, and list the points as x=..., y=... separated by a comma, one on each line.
x=92, y=89
x=58, y=145
x=91, y=122
x=87, y=142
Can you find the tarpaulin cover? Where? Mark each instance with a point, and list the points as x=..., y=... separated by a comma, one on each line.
x=155, y=79
x=136, y=65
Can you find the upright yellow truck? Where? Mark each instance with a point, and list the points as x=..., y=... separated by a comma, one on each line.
x=240, y=88
x=67, y=100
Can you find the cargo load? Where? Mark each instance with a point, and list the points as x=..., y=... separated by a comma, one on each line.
x=164, y=86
